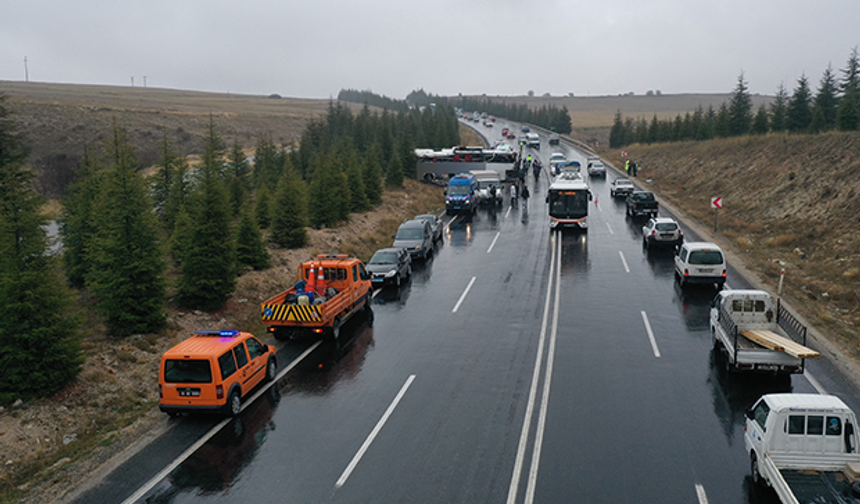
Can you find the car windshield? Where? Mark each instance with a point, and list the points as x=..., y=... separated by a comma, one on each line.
x=485, y=184
x=556, y=157
x=643, y=196
x=459, y=190
x=597, y=165
x=666, y=226
x=706, y=257
x=625, y=183
x=383, y=258
x=187, y=371
x=409, y=234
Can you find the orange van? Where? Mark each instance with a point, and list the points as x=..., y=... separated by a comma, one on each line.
x=213, y=371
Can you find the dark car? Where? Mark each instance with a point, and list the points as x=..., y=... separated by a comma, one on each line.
x=435, y=224
x=390, y=266
x=642, y=203
x=416, y=237
x=525, y=129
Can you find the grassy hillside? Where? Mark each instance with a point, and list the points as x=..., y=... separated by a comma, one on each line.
x=789, y=201
x=59, y=119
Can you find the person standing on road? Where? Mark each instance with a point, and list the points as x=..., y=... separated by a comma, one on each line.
x=627, y=166
x=634, y=168
x=525, y=194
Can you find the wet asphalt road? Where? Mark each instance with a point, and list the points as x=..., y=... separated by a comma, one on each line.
x=516, y=365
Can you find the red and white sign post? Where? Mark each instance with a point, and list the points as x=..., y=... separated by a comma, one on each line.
x=716, y=204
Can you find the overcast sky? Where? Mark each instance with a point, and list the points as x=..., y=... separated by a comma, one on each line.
x=314, y=48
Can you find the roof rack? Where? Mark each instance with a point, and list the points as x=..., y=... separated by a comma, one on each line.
x=332, y=256
x=217, y=332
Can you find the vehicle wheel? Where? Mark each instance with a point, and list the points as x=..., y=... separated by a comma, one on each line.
x=174, y=414
x=756, y=475
x=234, y=404
x=335, y=328
x=281, y=335
x=369, y=315
x=271, y=369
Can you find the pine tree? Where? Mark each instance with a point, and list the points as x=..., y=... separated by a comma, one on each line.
x=263, y=208
x=779, y=110
x=180, y=240
x=126, y=274
x=616, y=133
x=39, y=336
x=78, y=225
x=851, y=74
x=760, y=122
x=723, y=124
x=324, y=204
x=848, y=116
x=371, y=172
x=826, y=101
x=179, y=193
x=394, y=172
x=799, y=113
x=266, y=166
x=209, y=266
x=290, y=210
x=237, y=178
x=164, y=180
x=250, y=250
x=740, y=109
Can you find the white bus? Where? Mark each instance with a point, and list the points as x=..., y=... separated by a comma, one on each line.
x=568, y=198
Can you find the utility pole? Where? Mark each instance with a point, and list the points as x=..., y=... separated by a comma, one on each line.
x=144, y=81
x=132, y=81
x=26, y=71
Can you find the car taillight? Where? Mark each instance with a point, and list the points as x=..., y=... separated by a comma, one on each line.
x=686, y=272
x=219, y=391
x=160, y=392
x=724, y=273
x=653, y=232
x=680, y=232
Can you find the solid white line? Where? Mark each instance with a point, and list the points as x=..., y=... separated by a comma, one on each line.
x=494, y=242
x=623, y=260
x=547, y=381
x=373, y=433
x=610, y=229
x=815, y=383
x=700, y=493
x=509, y=211
x=524, y=434
x=650, y=334
x=463, y=296
x=214, y=430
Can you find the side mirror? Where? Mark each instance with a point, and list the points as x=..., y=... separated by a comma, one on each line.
x=749, y=414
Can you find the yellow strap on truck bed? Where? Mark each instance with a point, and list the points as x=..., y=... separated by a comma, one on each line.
x=770, y=339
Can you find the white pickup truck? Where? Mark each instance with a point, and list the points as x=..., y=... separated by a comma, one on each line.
x=755, y=334
x=804, y=446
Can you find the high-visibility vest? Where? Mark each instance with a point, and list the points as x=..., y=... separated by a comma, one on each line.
x=627, y=165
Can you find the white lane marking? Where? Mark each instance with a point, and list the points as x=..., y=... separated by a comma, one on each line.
x=524, y=434
x=624, y=261
x=509, y=211
x=547, y=381
x=494, y=242
x=700, y=493
x=463, y=296
x=214, y=430
x=815, y=383
x=610, y=229
x=650, y=334
x=373, y=433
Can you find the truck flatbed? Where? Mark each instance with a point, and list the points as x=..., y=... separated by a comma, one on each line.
x=773, y=341
x=819, y=487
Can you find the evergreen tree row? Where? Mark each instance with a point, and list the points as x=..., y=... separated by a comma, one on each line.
x=834, y=106
x=39, y=333
x=370, y=98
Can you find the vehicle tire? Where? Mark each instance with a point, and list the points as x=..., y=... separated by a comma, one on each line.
x=370, y=317
x=174, y=414
x=234, y=403
x=281, y=335
x=756, y=475
x=271, y=369
x=335, y=328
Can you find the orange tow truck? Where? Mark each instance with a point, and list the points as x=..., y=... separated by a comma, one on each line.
x=329, y=290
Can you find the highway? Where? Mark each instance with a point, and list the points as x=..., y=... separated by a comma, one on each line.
x=518, y=365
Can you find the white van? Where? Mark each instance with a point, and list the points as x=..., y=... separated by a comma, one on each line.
x=533, y=140
x=700, y=263
x=488, y=179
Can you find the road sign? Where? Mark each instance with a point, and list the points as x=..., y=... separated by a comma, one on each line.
x=717, y=202
x=623, y=153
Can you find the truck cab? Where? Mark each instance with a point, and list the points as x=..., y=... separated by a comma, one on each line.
x=796, y=442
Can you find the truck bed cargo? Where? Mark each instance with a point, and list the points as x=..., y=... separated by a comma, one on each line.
x=776, y=342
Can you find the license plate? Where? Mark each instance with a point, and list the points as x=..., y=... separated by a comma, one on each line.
x=705, y=270
x=666, y=236
x=768, y=367
x=189, y=392
x=377, y=279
